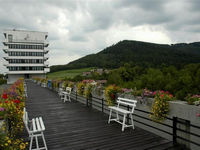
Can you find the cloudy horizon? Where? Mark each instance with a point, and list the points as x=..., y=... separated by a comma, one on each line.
x=80, y=27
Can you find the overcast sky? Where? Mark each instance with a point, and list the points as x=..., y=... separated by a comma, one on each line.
x=80, y=27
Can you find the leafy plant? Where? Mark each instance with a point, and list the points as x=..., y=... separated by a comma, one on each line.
x=111, y=94
x=80, y=88
x=12, y=103
x=193, y=99
x=88, y=90
x=160, y=107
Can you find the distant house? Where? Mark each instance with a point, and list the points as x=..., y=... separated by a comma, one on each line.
x=86, y=74
x=107, y=71
x=101, y=82
x=89, y=81
x=100, y=71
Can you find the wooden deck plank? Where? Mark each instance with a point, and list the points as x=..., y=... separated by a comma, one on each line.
x=74, y=126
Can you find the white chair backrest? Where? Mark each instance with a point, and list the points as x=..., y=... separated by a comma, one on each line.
x=127, y=102
x=26, y=120
x=68, y=90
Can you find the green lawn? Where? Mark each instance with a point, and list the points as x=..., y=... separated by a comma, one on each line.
x=67, y=73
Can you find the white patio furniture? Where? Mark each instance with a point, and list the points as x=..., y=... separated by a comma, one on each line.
x=35, y=129
x=66, y=94
x=120, y=109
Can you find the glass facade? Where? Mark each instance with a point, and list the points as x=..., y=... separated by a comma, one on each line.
x=26, y=61
x=25, y=53
x=25, y=68
x=23, y=46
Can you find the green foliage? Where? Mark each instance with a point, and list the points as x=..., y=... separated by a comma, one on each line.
x=138, y=53
x=2, y=81
x=192, y=99
x=160, y=107
x=180, y=82
x=88, y=90
x=67, y=73
x=111, y=93
x=80, y=88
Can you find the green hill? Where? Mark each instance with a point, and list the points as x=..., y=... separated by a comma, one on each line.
x=138, y=53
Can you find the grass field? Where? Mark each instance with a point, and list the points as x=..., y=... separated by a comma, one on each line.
x=67, y=73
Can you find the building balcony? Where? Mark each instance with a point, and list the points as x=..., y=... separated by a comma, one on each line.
x=5, y=48
x=24, y=57
x=46, y=63
x=46, y=70
x=25, y=64
x=45, y=42
x=46, y=50
x=25, y=50
x=27, y=72
x=6, y=64
x=46, y=57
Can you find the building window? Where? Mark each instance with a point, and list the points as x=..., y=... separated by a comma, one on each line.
x=10, y=37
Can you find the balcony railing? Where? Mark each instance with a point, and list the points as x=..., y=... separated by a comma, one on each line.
x=46, y=42
x=46, y=70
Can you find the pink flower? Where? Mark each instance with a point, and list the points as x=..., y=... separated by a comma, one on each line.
x=154, y=93
x=198, y=115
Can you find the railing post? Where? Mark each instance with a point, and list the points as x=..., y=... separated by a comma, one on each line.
x=102, y=105
x=91, y=101
x=127, y=117
x=76, y=95
x=174, y=130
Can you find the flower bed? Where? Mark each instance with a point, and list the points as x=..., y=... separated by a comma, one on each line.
x=12, y=102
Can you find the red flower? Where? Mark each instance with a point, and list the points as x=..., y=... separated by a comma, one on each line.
x=113, y=96
x=4, y=96
x=162, y=95
x=154, y=93
x=198, y=115
x=17, y=101
x=6, y=102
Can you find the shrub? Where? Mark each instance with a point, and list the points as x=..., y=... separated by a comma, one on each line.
x=80, y=88
x=137, y=92
x=160, y=107
x=111, y=94
x=192, y=100
x=88, y=90
x=2, y=81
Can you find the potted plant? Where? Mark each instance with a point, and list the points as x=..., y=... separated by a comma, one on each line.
x=88, y=91
x=193, y=99
x=160, y=107
x=111, y=94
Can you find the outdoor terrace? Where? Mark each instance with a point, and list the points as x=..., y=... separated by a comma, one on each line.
x=73, y=125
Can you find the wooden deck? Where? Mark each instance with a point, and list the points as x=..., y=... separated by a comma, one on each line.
x=74, y=126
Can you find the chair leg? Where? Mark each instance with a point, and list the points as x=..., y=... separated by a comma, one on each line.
x=36, y=140
x=65, y=99
x=132, y=121
x=124, y=119
x=31, y=143
x=117, y=115
x=45, y=145
x=110, y=115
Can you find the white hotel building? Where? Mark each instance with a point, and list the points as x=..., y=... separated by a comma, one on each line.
x=25, y=54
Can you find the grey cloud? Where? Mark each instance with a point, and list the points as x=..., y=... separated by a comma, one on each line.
x=81, y=26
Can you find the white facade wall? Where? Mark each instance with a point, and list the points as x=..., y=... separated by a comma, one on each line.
x=20, y=47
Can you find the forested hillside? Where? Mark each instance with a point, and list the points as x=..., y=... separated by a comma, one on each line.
x=138, y=53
